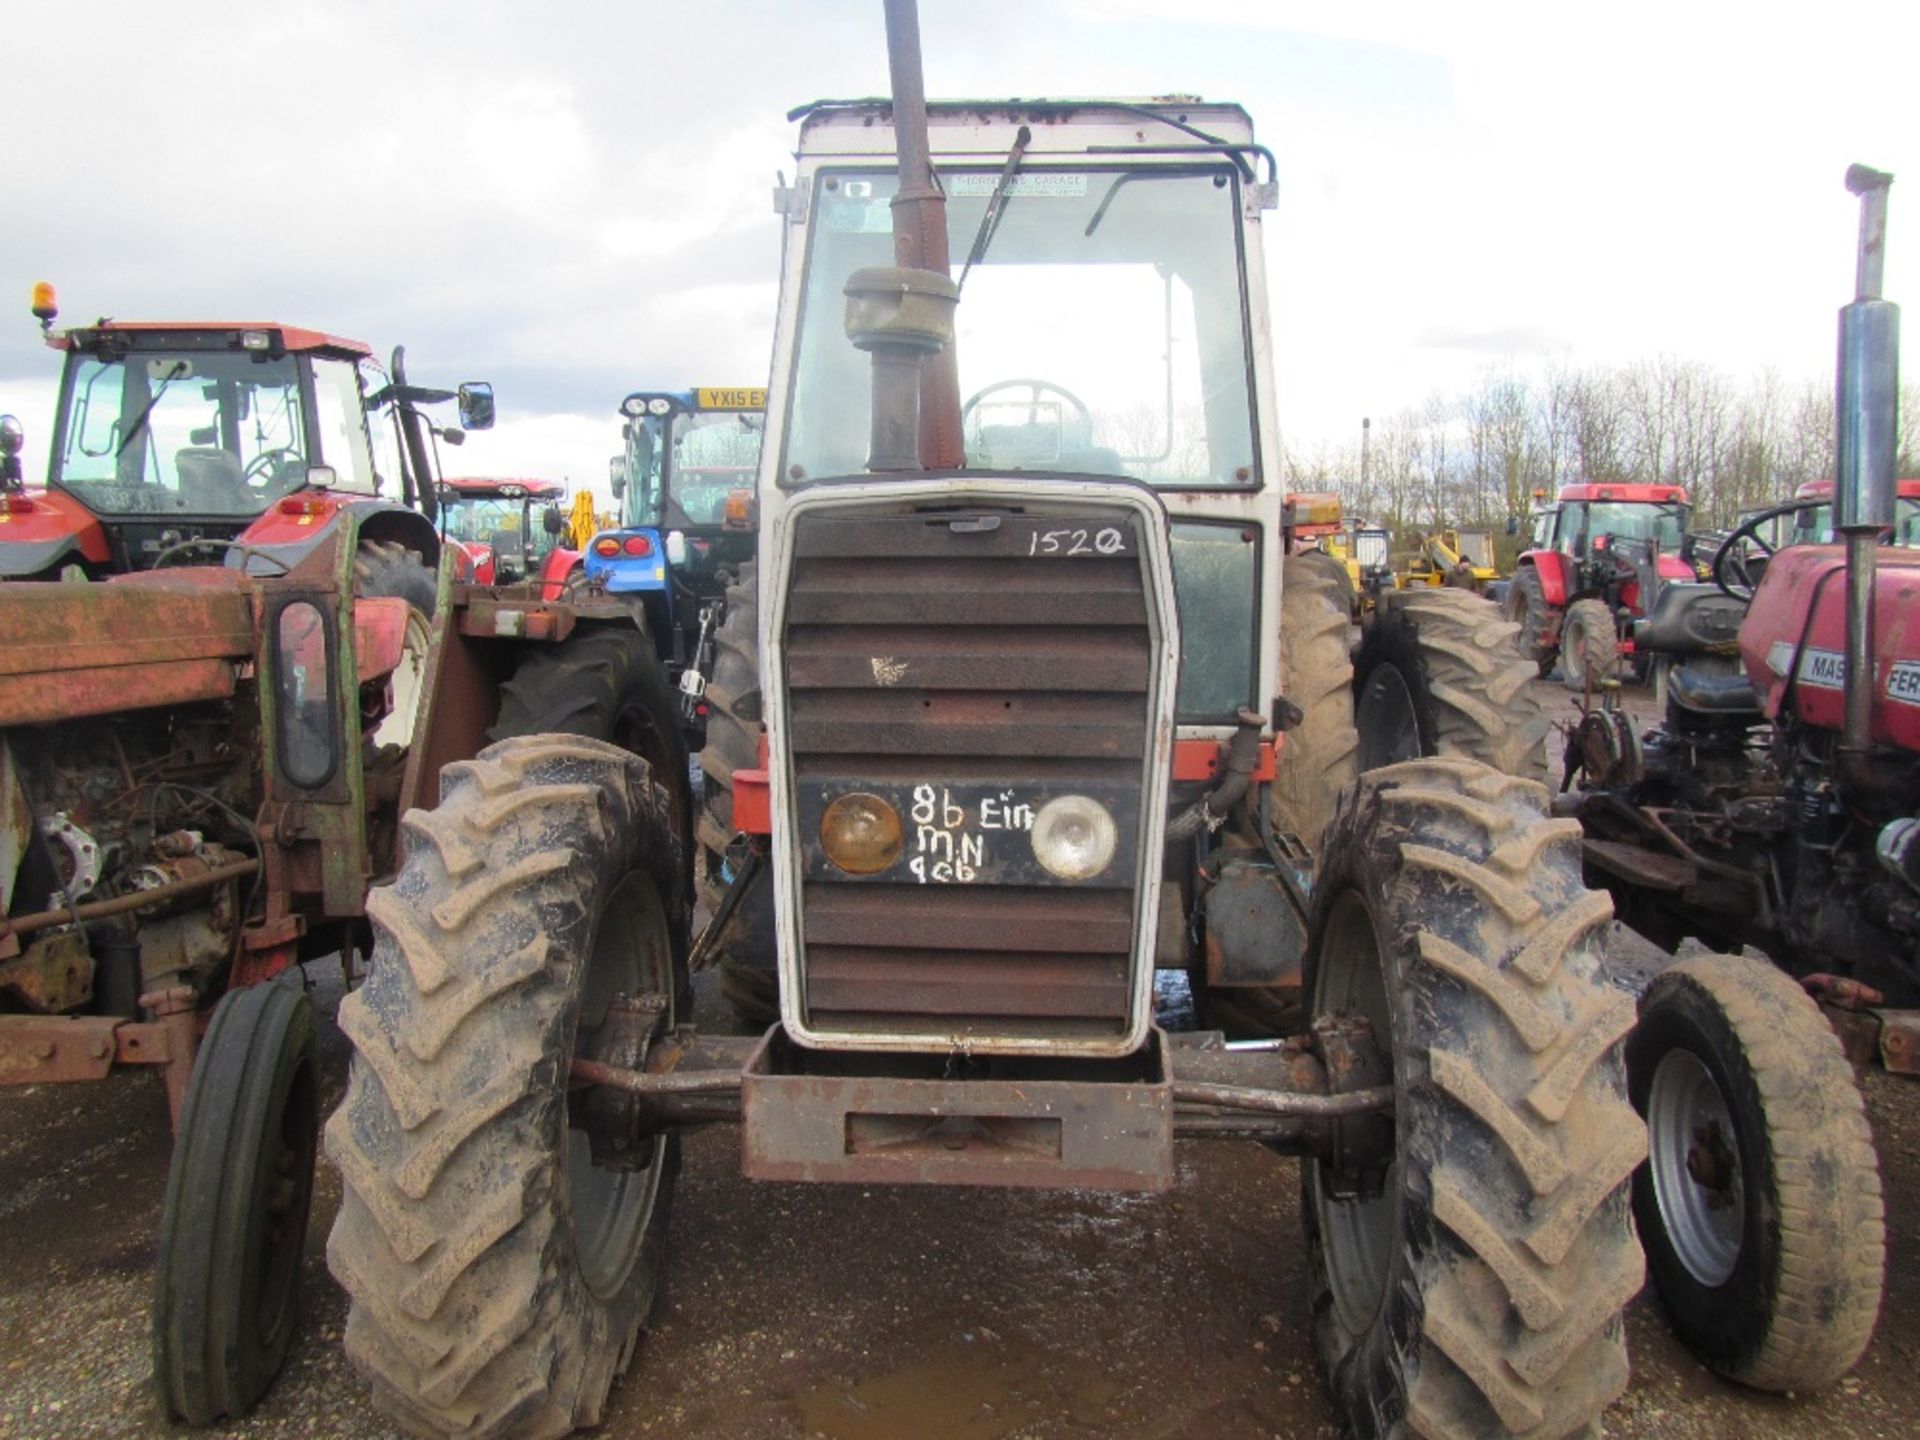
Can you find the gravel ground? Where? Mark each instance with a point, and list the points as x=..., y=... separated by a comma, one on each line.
x=855, y=1314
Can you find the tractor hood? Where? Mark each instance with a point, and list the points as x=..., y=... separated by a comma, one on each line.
x=1797, y=661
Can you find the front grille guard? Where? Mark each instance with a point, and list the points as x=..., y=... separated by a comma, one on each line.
x=1036, y=496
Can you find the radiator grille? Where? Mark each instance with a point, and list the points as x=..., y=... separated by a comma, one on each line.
x=924, y=656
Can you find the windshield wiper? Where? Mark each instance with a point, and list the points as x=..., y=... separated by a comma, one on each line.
x=180, y=367
x=996, y=203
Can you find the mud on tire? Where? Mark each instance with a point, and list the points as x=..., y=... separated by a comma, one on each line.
x=1788, y=1205
x=605, y=683
x=1440, y=672
x=1316, y=674
x=746, y=952
x=497, y=1281
x=1480, y=1293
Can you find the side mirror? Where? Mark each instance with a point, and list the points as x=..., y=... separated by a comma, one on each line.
x=555, y=522
x=12, y=439
x=1513, y=524
x=476, y=405
x=322, y=477
x=617, y=475
x=452, y=434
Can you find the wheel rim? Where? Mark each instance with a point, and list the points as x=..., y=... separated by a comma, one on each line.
x=1389, y=727
x=1697, y=1179
x=1357, y=1234
x=632, y=955
x=408, y=682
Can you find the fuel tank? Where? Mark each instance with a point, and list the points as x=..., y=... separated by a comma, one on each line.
x=1796, y=627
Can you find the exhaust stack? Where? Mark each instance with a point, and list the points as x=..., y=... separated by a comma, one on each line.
x=903, y=315
x=1866, y=415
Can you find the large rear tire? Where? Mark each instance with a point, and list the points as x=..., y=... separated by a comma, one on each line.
x=233, y=1227
x=1440, y=672
x=498, y=1280
x=745, y=952
x=1318, y=756
x=605, y=683
x=386, y=569
x=1477, y=1289
x=1760, y=1203
x=1525, y=604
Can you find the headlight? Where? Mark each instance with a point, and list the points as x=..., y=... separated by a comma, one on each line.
x=861, y=833
x=1074, y=837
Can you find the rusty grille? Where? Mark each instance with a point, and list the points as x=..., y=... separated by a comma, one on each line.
x=952, y=654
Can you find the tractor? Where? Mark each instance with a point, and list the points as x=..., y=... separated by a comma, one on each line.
x=683, y=548
x=204, y=732
x=513, y=532
x=1775, y=808
x=1040, y=705
x=196, y=443
x=1596, y=553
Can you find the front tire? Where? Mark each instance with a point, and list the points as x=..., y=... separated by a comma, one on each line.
x=233, y=1227
x=497, y=1279
x=1589, y=647
x=1477, y=1290
x=1318, y=754
x=1760, y=1203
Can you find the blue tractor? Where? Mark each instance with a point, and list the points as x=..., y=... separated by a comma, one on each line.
x=684, y=484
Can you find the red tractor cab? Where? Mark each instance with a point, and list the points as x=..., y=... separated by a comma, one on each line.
x=513, y=530
x=1814, y=523
x=1597, y=555
x=198, y=442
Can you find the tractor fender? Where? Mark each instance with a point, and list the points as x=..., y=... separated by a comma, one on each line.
x=1556, y=574
x=560, y=566
x=279, y=540
x=53, y=529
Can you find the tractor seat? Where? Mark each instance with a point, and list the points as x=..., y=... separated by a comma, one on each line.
x=1722, y=697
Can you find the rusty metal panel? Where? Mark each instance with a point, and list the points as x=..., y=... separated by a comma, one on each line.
x=74, y=692
x=1032, y=1131
x=972, y=666
x=460, y=697
x=52, y=627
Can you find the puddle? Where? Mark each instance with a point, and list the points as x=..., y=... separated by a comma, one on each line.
x=976, y=1386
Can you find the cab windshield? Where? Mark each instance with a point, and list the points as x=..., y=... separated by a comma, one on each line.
x=205, y=433
x=1104, y=332
x=684, y=482
x=505, y=525
x=1815, y=525
x=1665, y=524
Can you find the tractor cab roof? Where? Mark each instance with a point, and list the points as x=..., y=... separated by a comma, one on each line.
x=1630, y=494
x=265, y=336
x=1907, y=489
x=473, y=488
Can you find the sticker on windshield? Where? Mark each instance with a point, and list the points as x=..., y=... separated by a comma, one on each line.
x=865, y=214
x=1036, y=183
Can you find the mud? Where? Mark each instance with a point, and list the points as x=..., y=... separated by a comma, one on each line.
x=855, y=1313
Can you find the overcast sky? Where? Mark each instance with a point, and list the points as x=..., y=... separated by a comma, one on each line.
x=573, y=199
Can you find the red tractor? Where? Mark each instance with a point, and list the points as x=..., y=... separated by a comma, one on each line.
x=513, y=531
x=202, y=443
x=1777, y=809
x=1596, y=552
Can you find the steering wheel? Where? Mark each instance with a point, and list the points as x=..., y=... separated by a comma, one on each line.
x=1731, y=558
x=1035, y=389
x=267, y=466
